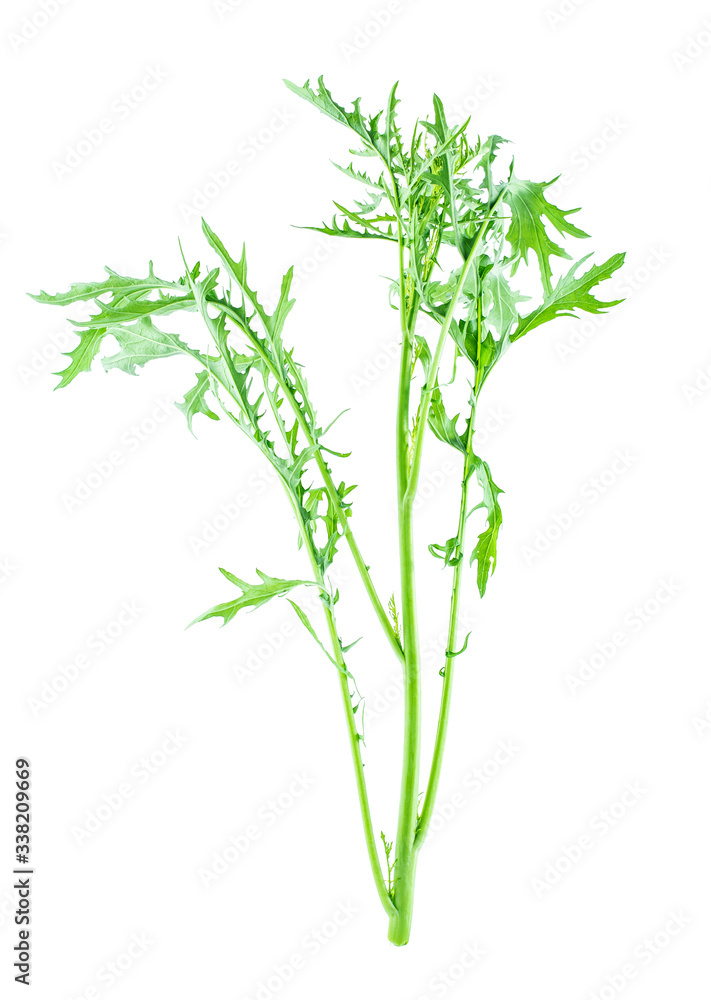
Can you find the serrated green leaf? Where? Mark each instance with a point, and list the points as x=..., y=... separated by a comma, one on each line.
x=116, y=284
x=82, y=356
x=443, y=426
x=526, y=229
x=485, y=550
x=237, y=270
x=571, y=293
x=500, y=300
x=488, y=150
x=252, y=595
x=141, y=343
x=195, y=402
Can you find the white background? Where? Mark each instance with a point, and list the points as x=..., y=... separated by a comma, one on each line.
x=597, y=90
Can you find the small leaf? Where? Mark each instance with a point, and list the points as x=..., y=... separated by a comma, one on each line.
x=443, y=426
x=82, y=356
x=252, y=595
x=449, y=655
x=449, y=552
x=485, y=550
x=195, y=402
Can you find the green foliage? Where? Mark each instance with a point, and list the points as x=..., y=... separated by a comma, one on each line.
x=484, y=553
x=440, y=191
x=251, y=596
x=465, y=228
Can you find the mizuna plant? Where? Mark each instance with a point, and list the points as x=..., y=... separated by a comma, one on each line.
x=461, y=232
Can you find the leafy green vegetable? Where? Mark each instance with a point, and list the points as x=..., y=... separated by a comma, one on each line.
x=463, y=226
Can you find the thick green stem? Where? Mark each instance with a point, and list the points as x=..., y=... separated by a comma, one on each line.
x=408, y=470
x=405, y=858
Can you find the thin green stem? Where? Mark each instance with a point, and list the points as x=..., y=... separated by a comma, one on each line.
x=431, y=382
x=353, y=735
x=443, y=720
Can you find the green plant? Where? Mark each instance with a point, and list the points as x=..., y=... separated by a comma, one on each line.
x=460, y=236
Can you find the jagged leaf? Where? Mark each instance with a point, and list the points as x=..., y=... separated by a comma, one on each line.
x=500, y=301
x=443, y=426
x=82, y=356
x=195, y=402
x=116, y=284
x=143, y=342
x=252, y=595
x=527, y=231
x=571, y=293
x=485, y=550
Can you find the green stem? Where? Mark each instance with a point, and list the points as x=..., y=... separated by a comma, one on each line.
x=431, y=383
x=404, y=857
x=408, y=471
x=353, y=735
x=443, y=720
